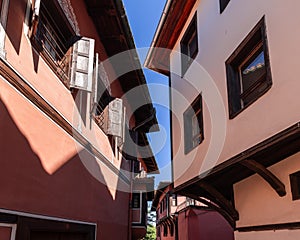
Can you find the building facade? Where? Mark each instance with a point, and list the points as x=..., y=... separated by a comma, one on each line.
x=69, y=132
x=179, y=217
x=234, y=79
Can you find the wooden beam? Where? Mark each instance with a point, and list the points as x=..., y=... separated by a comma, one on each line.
x=266, y=174
x=213, y=206
x=218, y=198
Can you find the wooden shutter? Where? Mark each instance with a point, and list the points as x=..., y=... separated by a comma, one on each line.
x=94, y=97
x=36, y=8
x=82, y=64
x=115, y=117
x=113, y=120
x=35, y=17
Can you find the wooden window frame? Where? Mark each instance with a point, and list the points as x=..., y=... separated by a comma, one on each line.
x=295, y=185
x=255, y=42
x=223, y=5
x=174, y=200
x=190, y=35
x=194, y=110
x=61, y=66
x=139, y=202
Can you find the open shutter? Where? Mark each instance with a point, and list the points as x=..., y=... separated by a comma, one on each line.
x=120, y=140
x=35, y=8
x=94, y=97
x=82, y=64
x=115, y=118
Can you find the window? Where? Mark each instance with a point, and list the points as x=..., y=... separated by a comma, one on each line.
x=223, y=5
x=174, y=200
x=53, y=37
x=136, y=200
x=189, y=45
x=193, y=125
x=295, y=185
x=248, y=71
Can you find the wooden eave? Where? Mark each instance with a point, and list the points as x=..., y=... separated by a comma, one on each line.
x=167, y=36
x=160, y=190
x=254, y=160
x=147, y=156
x=113, y=28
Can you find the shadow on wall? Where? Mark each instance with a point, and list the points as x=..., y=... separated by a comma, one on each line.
x=15, y=21
x=71, y=192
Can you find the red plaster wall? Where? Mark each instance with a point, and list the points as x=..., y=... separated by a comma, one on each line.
x=41, y=171
x=195, y=224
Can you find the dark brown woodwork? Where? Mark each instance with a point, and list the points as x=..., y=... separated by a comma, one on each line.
x=230, y=219
x=266, y=174
x=270, y=227
x=176, y=17
x=219, y=199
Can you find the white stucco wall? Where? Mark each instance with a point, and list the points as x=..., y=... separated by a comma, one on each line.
x=218, y=36
x=258, y=203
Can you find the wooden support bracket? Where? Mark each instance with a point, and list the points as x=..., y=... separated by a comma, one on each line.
x=266, y=174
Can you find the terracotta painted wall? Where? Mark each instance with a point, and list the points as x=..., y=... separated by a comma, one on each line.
x=197, y=224
x=57, y=185
x=42, y=167
x=219, y=35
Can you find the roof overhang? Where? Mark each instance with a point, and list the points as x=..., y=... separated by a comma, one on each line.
x=217, y=184
x=171, y=24
x=112, y=25
x=162, y=186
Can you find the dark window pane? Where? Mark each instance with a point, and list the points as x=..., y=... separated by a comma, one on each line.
x=193, y=125
x=189, y=45
x=248, y=71
x=136, y=200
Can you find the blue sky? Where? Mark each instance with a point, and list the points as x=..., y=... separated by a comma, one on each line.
x=143, y=16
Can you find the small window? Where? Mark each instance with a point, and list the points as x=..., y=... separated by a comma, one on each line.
x=174, y=200
x=189, y=45
x=223, y=5
x=248, y=71
x=136, y=200
x=295, y=185
x=193, y=125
